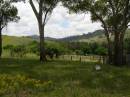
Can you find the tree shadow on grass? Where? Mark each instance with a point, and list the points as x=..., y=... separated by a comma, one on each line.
x=18, y=61
x=18, y=66
x=34, y=68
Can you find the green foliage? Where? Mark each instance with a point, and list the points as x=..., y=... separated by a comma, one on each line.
x=33, y=47
x=101, y=51
x=19, y=85
x=110, y=13
x=59, y=46
x=8, y=13
x=127, y=45
x=8, y=47
x=16, y=51
x=55, y=49
x=48, y=5
x=84, y=48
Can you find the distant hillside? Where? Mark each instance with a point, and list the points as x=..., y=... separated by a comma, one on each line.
x=96, y=36
x=13, y=40
x=36, y=37
x=84, y=36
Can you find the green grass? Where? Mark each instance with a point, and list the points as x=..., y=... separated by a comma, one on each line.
x=69, y=79
x=13, y=40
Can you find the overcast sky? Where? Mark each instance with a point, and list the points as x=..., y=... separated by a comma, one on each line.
x=61, y=23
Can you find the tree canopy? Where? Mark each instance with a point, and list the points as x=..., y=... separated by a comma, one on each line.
x=114, y=15
x=8, y=13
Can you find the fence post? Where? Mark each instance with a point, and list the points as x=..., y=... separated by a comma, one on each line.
x=71, y=58
x=103, y=59
x=63, y=57
x=93, y=57
x=80, y=59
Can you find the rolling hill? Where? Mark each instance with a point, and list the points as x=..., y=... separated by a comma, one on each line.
x=13, y=40
x=96, y=36
x=84, y=37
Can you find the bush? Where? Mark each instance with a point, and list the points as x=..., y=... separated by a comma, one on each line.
x=8, y=47
x=101, y=51
x=33, y=47
x=20, y=85
x=18, y=51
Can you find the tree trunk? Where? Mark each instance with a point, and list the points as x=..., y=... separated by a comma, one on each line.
x=110, y=55
x=109, y=47
x=118, y=50
x=0, y=43
x=42, y=45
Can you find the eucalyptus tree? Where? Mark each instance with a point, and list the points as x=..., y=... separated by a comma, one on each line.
x=8, y=13
x=15, y=1
x=114, y=15
x=42, y=10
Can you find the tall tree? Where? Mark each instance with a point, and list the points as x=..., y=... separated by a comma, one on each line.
x=43, y=12
x=8, y=13
x=15, y=1
x=114, y=16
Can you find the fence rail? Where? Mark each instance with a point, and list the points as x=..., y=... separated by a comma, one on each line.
x=92, y=58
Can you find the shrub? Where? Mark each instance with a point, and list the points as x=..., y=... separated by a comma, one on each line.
x=20, y=85
x=33, y=47
x=101, y=51
x=18, y=51
x=8, y=47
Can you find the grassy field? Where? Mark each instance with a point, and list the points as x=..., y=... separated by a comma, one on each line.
x=13, y=40
x=31, y=78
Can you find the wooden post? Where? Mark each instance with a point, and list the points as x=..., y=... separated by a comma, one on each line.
x=93, y=57
x=71, y=58
x=103, y=59
x=80, y=59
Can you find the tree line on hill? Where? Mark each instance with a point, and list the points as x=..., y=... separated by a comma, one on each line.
x=114, y=15
x=94, y=48
x=55, y=49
